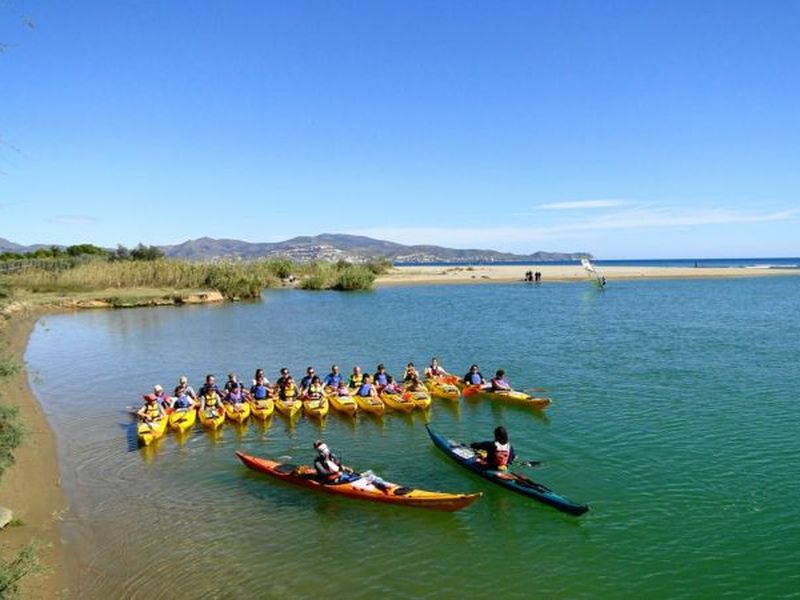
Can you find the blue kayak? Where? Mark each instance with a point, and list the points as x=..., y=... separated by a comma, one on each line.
x=468, y=458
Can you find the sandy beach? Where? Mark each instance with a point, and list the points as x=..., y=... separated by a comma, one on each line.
x=509, y=273
x=31, y=487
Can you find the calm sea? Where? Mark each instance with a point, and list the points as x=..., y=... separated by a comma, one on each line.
x=674, y=415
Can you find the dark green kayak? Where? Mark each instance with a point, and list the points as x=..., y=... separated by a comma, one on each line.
x=468, y=458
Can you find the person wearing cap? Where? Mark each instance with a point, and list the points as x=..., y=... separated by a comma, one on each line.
x=381, y=377
x=161, y=397
x=184, y=389
x=152, y=411
x=499, y=383
x=474, y=377
x=328, y=467
x=499, y=452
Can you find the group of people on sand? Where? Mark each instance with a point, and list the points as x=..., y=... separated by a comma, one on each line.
x=210, y=398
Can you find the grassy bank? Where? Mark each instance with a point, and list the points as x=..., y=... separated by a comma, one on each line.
x=239, y=279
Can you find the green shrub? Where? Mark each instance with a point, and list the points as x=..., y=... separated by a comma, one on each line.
x=24, y=563
x=354, y=277
x=11, y=434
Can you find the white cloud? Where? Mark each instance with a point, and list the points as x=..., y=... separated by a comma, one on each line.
x=505, y=237
x=580, y=204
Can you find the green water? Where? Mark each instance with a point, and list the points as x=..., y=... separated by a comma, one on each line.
x=674, y=416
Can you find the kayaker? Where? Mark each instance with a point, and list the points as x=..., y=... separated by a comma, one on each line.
x=435, y=369
x=391, y=386
x=183, y=387
x=356, y=377
x=260, y=389
x=411, y=372
x=306, y=381
x=288, y=391
x=499, y=452
x=328, y=467
x=333, y=378
x=233, y=383
x=381, y=377
x=209, y=385
x=152, y=411
x=414, y=384
x=235, y=395
x=367, y=388
x=284, y=373
x=162, y=398
x=314, y=389
x=474, y=376
x=342, y=390
x=183, y=402
x=499, y=383
x=260, y=373
x=210, y=401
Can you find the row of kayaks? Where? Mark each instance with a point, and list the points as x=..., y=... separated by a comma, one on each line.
x=367, y=487
x=182, y=420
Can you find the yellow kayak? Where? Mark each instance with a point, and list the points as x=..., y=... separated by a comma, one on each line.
x=442, y=389
x=237, y=412
x=316, y=408
x=344, y=404
x=182, y=419
x=211, y=418
x=511, y=396
x=370, y=404
x=262, y=409
x=399, y=402
x=288, y=408
x=147, y=432
x=421, y=398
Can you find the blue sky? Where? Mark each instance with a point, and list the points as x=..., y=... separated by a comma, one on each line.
x=625, y=129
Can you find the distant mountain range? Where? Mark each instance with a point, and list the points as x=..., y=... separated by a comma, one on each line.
x=329, y=246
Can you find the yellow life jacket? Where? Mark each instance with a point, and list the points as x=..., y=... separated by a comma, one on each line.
x=151, y=410
x=355, y=380
x=211, y=400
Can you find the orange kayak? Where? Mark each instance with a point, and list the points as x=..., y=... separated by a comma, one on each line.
x=362, y=487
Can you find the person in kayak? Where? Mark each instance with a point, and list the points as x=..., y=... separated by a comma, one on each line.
x=288, y=391
x=235, y=395
x=209, y=385
x=328, y=467
x=183, y=387
x=414, y=384
x=367, y=388
x=260, y=374
x=233, y=383
x=314, y=389
x=391, y=386
x=210, y=401
x=474, y=376
x=306, y=380
x=343, y=391
x=356, y=377
x=381, y=377
x=499, y=383
x=499, y=452
x=260, y=388
x=410, y=373
x=161, y=397
x=284, y=373
x=333, y=378
x=182, y=400
x=435, y=369
x=152, y=411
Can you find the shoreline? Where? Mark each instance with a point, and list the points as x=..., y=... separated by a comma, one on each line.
x=484, y=274
x=31, y=487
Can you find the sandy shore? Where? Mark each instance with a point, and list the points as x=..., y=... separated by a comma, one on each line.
x=31, y=487
x=506, y=273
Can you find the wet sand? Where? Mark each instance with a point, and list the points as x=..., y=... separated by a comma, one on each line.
x=31, y=486
x=509, y=273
